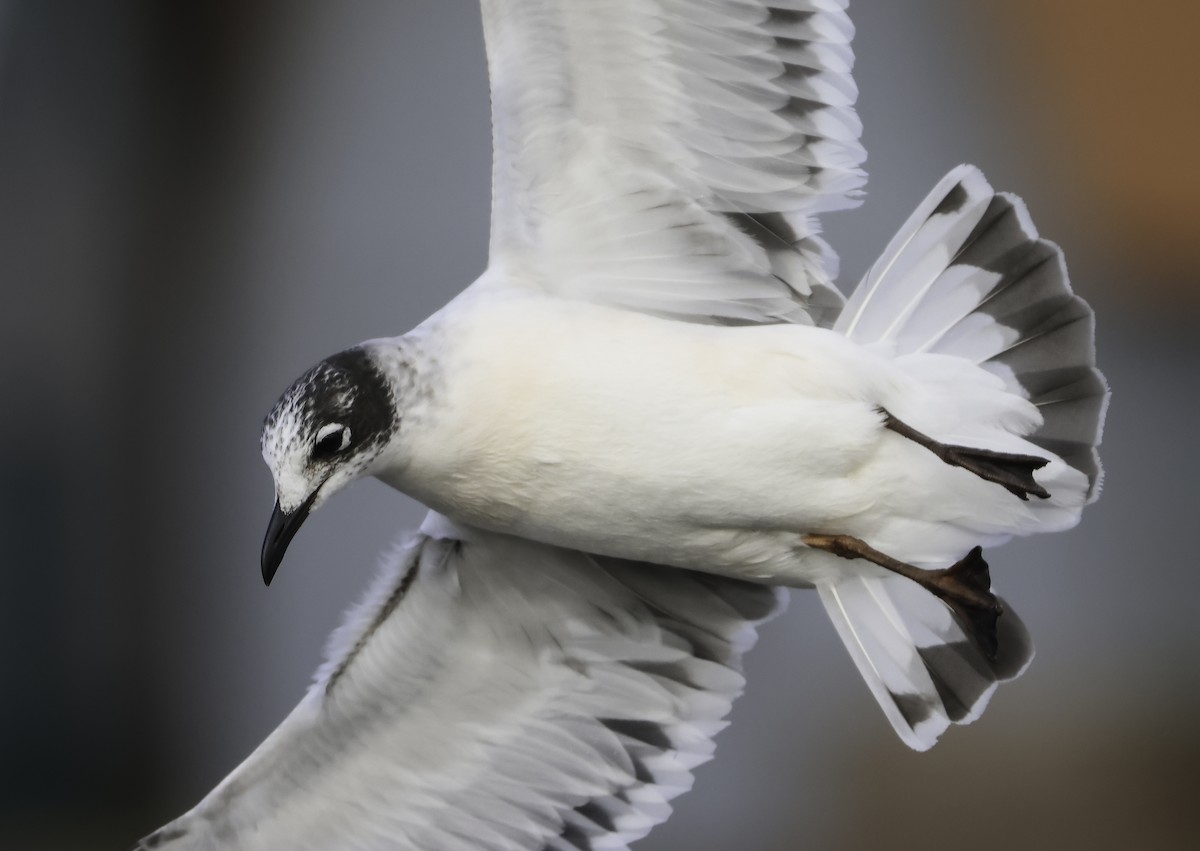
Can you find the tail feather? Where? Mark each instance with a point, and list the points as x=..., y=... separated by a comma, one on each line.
x=967, y=276
x=917, y=660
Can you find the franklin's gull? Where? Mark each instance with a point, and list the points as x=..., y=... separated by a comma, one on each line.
x=650, y=412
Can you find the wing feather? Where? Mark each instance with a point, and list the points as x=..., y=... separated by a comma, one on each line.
x=493, y=693
x=713, y=131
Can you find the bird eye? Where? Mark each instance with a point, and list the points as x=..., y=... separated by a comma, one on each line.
x=331, y=439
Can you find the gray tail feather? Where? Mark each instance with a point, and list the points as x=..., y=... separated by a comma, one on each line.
x=969, y=276
x=923, y=665
x=1054, y=358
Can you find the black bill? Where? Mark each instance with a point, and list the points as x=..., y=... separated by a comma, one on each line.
x=280, y=531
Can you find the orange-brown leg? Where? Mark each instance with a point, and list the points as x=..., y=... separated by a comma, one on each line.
x=964, y=586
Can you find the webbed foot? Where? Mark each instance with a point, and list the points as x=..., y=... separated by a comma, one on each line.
x=964, y=586
x=1010, y=470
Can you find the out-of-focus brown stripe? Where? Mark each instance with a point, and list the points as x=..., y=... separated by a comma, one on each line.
x=1119, y=84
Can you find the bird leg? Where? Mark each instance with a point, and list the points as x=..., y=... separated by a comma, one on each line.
x=964, y=586
x=1012, y=471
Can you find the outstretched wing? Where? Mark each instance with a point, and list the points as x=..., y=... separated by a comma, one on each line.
x=669, y=156
x=493, y=693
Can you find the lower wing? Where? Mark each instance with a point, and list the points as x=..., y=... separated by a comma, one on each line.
x=495, y=693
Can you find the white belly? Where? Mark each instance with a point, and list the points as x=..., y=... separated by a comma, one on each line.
x=702, y=447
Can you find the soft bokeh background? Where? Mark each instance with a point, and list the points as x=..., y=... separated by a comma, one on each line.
x=197, y=200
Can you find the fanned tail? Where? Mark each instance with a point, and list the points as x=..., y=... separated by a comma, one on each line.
x=968, y=277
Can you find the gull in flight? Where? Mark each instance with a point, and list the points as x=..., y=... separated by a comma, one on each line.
x=648, y=416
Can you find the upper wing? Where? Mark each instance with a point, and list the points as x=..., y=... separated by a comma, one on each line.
x=669, y=155
x=493, y=693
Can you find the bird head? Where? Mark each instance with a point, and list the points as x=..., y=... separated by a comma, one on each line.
x=327, y=430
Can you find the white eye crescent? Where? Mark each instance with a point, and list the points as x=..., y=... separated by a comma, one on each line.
x=331, y=438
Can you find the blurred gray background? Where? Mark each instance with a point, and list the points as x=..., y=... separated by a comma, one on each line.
x=198, y=200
